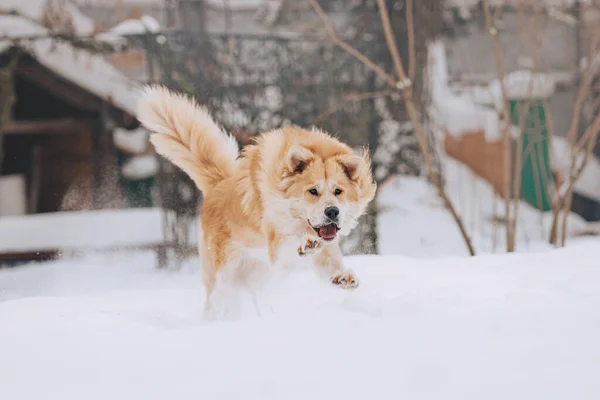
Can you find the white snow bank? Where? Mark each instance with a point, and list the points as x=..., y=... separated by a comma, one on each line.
x=457, y=113
x=413, y=221
x=93, y=230
x=503, y=327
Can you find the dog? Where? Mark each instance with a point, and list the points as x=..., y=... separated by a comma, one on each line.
x=291, y=194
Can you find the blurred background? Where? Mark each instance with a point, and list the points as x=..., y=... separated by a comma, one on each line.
x=481, y=116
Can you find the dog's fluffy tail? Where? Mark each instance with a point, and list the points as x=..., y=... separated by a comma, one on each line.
x=185, y=134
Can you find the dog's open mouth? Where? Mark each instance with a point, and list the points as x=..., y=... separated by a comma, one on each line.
x=327, y=232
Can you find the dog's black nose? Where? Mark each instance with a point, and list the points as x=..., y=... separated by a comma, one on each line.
x=332, y=212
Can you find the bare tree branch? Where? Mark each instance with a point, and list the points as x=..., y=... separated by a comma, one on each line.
x=349, y=49
x=519, y=157
x=391, y=40
x=585, y=144
x=353, y=98
x=493, y=35
x=592, y=133
x=405, y=87
x=410, y=27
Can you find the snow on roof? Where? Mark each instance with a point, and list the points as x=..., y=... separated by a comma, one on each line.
x=146, y=23
x=519, y=83
x=14, y=26
x=131, y=27
x=33, y=9
x=458, y=114
x=89, y=71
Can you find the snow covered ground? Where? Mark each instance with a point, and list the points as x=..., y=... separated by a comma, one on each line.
x=413, y=221
x=522, y=326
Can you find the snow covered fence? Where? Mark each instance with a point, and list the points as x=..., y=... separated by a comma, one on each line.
x=65, y=232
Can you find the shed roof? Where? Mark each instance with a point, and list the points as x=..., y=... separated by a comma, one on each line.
x=89, y=71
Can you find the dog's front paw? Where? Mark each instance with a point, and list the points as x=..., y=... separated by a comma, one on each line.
x=345, y=281
x=311, y=245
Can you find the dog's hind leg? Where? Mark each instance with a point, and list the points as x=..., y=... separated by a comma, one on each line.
x=209, y=278
x=223, y=283
x=225, y=302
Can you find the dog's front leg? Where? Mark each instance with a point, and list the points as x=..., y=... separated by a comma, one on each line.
x=329, y=263
x=310, y=245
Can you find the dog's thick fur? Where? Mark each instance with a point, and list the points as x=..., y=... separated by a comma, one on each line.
x=267, y=206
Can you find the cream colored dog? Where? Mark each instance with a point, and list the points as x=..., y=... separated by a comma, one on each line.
x=291, y=194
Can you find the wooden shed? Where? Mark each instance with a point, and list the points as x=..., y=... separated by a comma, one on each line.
x=58, y=139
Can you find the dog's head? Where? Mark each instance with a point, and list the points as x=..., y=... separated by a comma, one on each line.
x=327, y=190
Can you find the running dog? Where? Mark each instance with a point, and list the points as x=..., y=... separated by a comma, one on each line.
x=289, y=195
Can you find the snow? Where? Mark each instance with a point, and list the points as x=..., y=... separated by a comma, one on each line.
x=83, y=230
x=77, y=66
x=145, y=24
x=140, y=167
x=588, y=183
x=11, y=26
x=522, y=85
x=134, y=141
x=414, y=222
x=457, y=113
x=493, y=327
x=478, y=107
x=33, y=9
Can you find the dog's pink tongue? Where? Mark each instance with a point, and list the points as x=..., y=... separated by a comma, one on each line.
x=328, y=231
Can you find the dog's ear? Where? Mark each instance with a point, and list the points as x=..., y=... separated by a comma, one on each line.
x=354, y=165
x=297, y=158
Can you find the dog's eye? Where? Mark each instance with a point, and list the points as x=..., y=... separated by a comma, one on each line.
x=313, y=192
x=337, y=192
